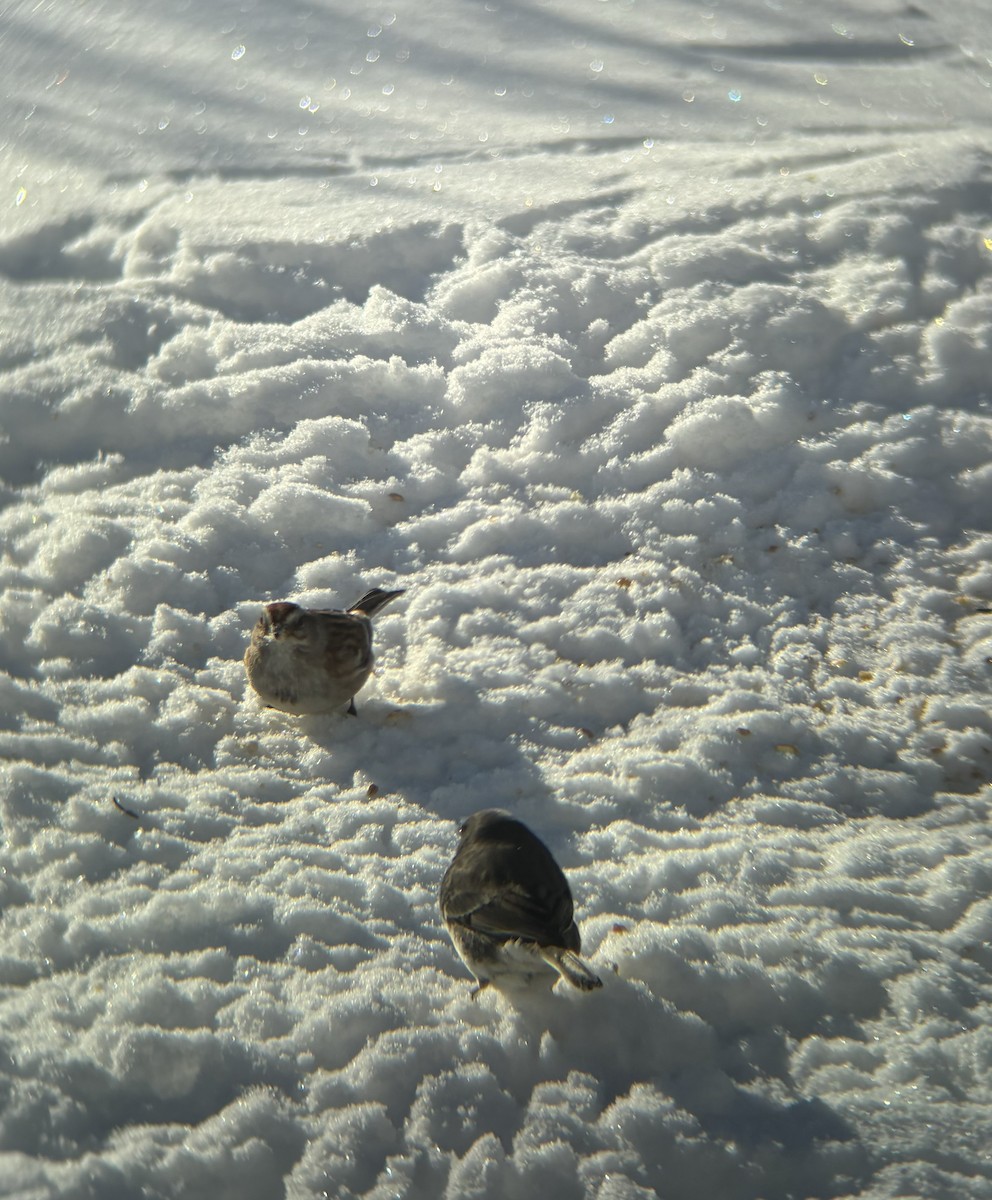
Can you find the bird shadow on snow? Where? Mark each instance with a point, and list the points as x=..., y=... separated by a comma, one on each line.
x=702, y=1109
x=450, y=758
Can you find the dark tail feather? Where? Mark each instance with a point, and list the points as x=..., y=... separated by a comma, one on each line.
x=569, y=966
x=372, y=601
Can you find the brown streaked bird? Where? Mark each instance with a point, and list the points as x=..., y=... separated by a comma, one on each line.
x=313, y=660
x=508, y=907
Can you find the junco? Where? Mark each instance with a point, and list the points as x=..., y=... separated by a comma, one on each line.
x=508, y=906
x=313, y=660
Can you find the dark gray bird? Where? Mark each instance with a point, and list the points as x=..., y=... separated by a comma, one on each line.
x=313, y=660
x=508, y=906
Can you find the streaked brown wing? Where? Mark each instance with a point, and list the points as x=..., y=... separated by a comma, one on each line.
x=349, y=639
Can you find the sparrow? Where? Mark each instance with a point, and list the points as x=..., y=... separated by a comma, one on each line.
x=508, y=907
x=313, y=660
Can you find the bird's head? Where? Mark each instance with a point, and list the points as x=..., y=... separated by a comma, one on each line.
x=493, y=823
x=281, y=619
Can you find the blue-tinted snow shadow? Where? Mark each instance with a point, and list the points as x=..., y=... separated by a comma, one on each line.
x=450, y=758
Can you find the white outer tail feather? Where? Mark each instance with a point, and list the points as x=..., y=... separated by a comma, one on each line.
x=570, y=967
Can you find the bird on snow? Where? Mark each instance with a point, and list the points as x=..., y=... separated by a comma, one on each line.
x=508, y=907
x=313, y=660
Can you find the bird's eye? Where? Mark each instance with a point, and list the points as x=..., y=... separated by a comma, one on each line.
x=462, y=827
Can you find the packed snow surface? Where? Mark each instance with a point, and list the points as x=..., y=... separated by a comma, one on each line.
x=647, y=345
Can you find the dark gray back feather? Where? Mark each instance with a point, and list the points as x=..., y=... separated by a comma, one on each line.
x=504, y=882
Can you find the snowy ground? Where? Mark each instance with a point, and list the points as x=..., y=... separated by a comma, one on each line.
x=647, y=345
